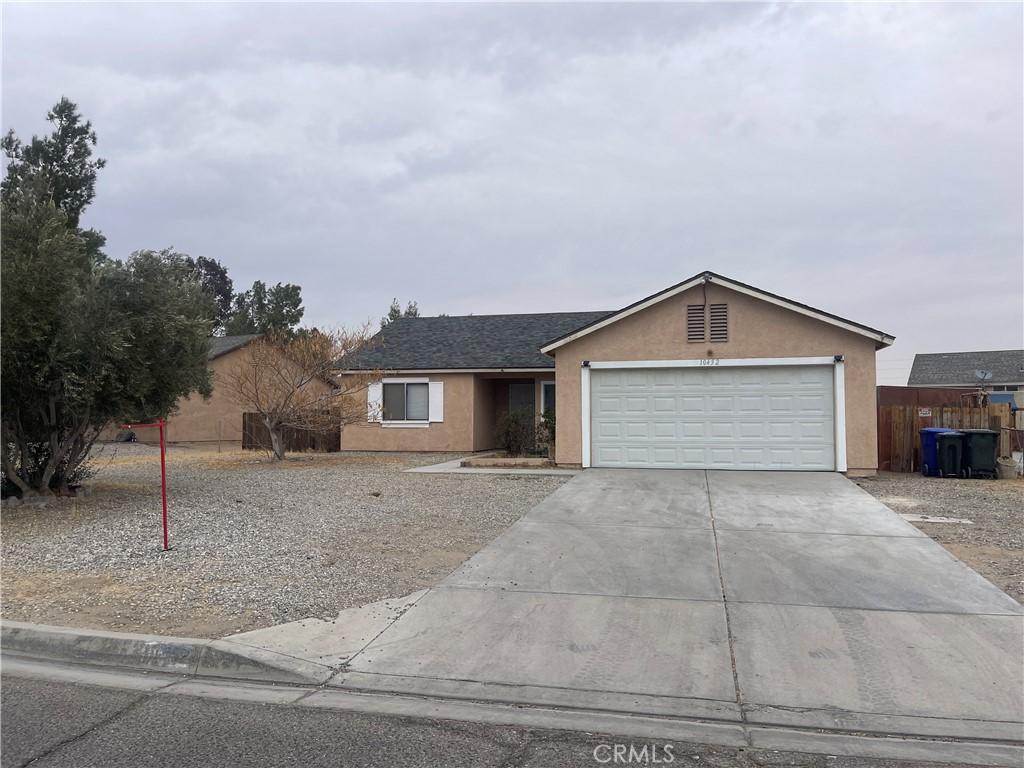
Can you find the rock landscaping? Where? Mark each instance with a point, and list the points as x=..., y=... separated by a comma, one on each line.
x=254, y=543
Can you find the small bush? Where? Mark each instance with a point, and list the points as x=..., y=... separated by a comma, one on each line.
x=515, y=432
x=546, y=432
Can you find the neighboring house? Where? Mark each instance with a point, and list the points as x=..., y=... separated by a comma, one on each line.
x=710, y=373
x=213, y=421
x=961, y=370
x=217, y=420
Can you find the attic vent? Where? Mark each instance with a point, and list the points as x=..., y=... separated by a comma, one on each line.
x=719, y=322
x=695, y=322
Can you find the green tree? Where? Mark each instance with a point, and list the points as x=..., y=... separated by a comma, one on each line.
x=277, y=309
x=85, y=340
x=63, y=160
x=213, y=276
x=395, y=311
x=88, y=345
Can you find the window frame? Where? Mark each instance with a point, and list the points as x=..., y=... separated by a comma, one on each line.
x=404, y=383
x=544, y=396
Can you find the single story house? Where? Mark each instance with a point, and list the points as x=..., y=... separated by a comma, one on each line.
x=216, y=421
x=995, y=371
x=708, y=373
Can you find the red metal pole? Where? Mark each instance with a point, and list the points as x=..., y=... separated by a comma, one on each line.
x=163, y=482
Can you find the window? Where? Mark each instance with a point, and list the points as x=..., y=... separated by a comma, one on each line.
x=719, y=322
x=695, y=322
x=406, y=402
x=547, y=397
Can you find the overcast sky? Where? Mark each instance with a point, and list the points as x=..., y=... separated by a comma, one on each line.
x=864, y=159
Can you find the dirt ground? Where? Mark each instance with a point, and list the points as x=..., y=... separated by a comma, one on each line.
x=254, y=543
x=993, y=544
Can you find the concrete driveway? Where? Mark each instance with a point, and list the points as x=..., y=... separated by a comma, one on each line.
x=758, y=599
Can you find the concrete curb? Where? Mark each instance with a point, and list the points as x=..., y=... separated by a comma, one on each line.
x=187, y=656
x=628, y=725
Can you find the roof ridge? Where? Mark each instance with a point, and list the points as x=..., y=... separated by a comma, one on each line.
x=509, y=314
x=970, y=352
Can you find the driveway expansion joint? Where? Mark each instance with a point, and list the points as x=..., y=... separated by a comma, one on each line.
x=728, y=620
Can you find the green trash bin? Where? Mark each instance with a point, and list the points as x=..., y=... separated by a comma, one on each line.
x=979, y=453
x=950, y=453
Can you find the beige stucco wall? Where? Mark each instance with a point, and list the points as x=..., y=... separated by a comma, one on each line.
x=756, y=329
x=205, y=421
x=218, y=419
x=483, y=414
x=455, y=433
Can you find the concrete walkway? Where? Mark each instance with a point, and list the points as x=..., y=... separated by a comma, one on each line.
x=454, y=467
x=782, y=599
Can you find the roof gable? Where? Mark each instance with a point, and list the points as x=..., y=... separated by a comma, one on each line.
x=881, y=338
x=958, y=368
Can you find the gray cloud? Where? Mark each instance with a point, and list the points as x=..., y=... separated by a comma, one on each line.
x=862, y=158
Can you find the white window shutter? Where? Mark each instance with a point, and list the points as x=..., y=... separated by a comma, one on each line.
x=375, y=401
x=437, y=401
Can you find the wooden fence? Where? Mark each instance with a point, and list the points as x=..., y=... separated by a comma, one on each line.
x=255, y=435
x=899, y=426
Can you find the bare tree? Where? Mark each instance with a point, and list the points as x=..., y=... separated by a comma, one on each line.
x=290, y=382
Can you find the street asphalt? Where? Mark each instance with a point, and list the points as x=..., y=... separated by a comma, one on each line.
x=46, y=723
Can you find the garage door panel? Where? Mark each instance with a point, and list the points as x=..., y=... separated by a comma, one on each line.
x=609, y=457
x=664, y=405
x=723, y=429
x=638, y=429
x=694, y=429
x=666, y=429
x=813, y=430
x=752, y=429
x=727, y=418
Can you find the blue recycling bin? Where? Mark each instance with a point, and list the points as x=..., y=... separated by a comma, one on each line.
x=940, y=452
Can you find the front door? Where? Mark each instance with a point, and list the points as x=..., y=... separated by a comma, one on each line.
x=521, y=396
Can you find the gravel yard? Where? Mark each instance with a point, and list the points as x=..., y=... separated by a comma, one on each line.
x=253, y=543
x=993, y=545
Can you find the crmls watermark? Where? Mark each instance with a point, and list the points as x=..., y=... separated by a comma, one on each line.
x=644, y=754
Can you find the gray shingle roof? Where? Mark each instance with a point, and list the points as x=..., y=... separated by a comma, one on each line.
x=470, y=341
x=221, y=345
x=957, y=368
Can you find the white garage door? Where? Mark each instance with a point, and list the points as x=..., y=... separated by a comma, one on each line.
x=776, y=417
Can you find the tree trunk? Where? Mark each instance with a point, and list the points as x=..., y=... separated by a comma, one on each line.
x=276, y=440
x=10, y=438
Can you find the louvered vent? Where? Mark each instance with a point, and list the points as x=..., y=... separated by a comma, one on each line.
x=695, y=322
x=719, y=322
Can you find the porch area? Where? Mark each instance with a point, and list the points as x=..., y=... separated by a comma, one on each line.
x=498, y=394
